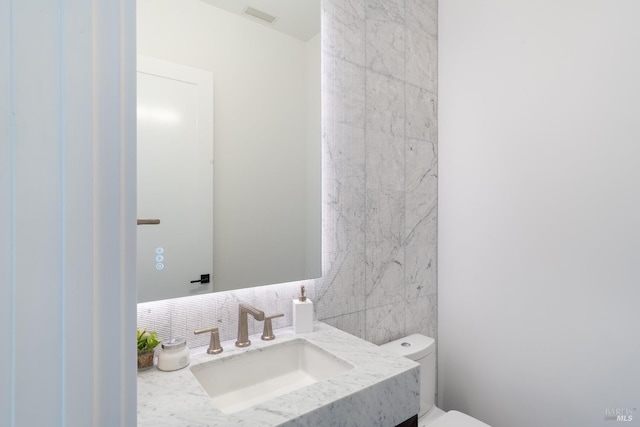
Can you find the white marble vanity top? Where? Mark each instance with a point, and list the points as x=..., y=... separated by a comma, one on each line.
x=381, y=390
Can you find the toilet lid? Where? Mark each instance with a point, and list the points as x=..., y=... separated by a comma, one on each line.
x=457, y=419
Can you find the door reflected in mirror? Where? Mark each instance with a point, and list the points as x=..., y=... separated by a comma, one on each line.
x=247, y=211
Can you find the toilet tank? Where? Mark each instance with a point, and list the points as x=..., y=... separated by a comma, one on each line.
x=421, y=349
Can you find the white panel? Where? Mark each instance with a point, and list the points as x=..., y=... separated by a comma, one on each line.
x=175, y=179
x=6, y=220
x=538, y=222
x=52, y=229
x=127, y=389
x=38, y=212
x=77, y=186
x=114, y=204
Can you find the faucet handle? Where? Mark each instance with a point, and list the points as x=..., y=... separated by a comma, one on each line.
x=214, y=343
x=267, y=332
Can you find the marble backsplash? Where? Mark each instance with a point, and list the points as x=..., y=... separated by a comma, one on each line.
x=379, y=196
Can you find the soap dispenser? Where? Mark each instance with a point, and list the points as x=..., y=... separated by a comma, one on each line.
x=302, y=313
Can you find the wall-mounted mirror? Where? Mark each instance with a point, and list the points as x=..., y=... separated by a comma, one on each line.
x=259, y=221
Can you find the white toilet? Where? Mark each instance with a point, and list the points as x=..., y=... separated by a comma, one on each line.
x=422, y=350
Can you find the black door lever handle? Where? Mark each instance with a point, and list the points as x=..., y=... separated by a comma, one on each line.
x=204, y=278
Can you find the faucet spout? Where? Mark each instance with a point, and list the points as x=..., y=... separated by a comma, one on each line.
x=243, y=323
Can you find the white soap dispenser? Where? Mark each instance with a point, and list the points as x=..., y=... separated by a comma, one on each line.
x=302, y=313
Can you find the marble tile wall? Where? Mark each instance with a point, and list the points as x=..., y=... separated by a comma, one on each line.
x=379, y=185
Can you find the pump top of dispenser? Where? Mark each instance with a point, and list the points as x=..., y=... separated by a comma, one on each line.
x=302, y=296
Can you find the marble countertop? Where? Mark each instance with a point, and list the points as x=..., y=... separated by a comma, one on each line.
x=381, y=390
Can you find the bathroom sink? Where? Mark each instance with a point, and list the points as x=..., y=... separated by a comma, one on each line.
x=241, y=381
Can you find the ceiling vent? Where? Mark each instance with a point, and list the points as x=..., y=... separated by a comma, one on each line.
x=263, y=16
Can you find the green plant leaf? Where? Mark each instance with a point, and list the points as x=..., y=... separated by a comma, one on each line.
x=147, y=340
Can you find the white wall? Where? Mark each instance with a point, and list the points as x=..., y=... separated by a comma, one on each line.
x=260, y=125
x=539, y=272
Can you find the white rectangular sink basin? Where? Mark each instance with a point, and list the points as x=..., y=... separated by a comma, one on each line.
x=239, y=382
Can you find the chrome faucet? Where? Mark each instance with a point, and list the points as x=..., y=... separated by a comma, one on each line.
x=243, y=326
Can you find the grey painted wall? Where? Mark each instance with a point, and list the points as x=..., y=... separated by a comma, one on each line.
x=379, y=66
x=540, y=206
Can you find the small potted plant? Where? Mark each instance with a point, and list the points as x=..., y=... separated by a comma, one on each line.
x=147, y=342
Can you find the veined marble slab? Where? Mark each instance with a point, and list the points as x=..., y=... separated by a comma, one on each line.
x=382, y=389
